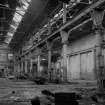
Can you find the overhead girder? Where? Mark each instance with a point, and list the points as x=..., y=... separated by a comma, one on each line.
x=36, y=15
x=70, y=23
x=57, y=22
x=7, y=9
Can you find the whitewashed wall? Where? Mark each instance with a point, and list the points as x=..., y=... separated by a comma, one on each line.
x=88, y=41
x=81, y=64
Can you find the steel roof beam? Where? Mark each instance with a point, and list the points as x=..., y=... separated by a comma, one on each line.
x=83, y=13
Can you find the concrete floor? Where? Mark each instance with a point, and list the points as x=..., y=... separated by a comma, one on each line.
x=25, y=90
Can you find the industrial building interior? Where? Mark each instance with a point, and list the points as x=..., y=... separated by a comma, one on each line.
x=52, y=52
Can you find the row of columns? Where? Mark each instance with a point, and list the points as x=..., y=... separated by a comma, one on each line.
x=24, y=64
x=64, y=36
x=97, y=17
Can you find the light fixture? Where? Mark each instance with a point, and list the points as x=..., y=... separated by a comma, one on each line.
x=43, y=59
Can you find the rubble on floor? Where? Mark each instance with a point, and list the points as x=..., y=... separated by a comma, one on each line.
x=22, y=92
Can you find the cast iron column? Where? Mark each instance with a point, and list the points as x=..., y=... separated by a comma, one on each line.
x=64, y=36
x=97, y=16
x=25, y=65
x=49, y=48
x=38, y=65
x=30, y=65
x=38, y=60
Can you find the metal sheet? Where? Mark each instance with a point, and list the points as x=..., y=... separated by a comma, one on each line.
x=87, y=66
x=74, y=68
x=81, y=66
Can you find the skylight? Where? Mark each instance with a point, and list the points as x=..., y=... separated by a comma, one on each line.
x=18, y=15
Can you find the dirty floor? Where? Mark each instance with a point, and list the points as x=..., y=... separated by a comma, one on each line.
x=22, y=91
